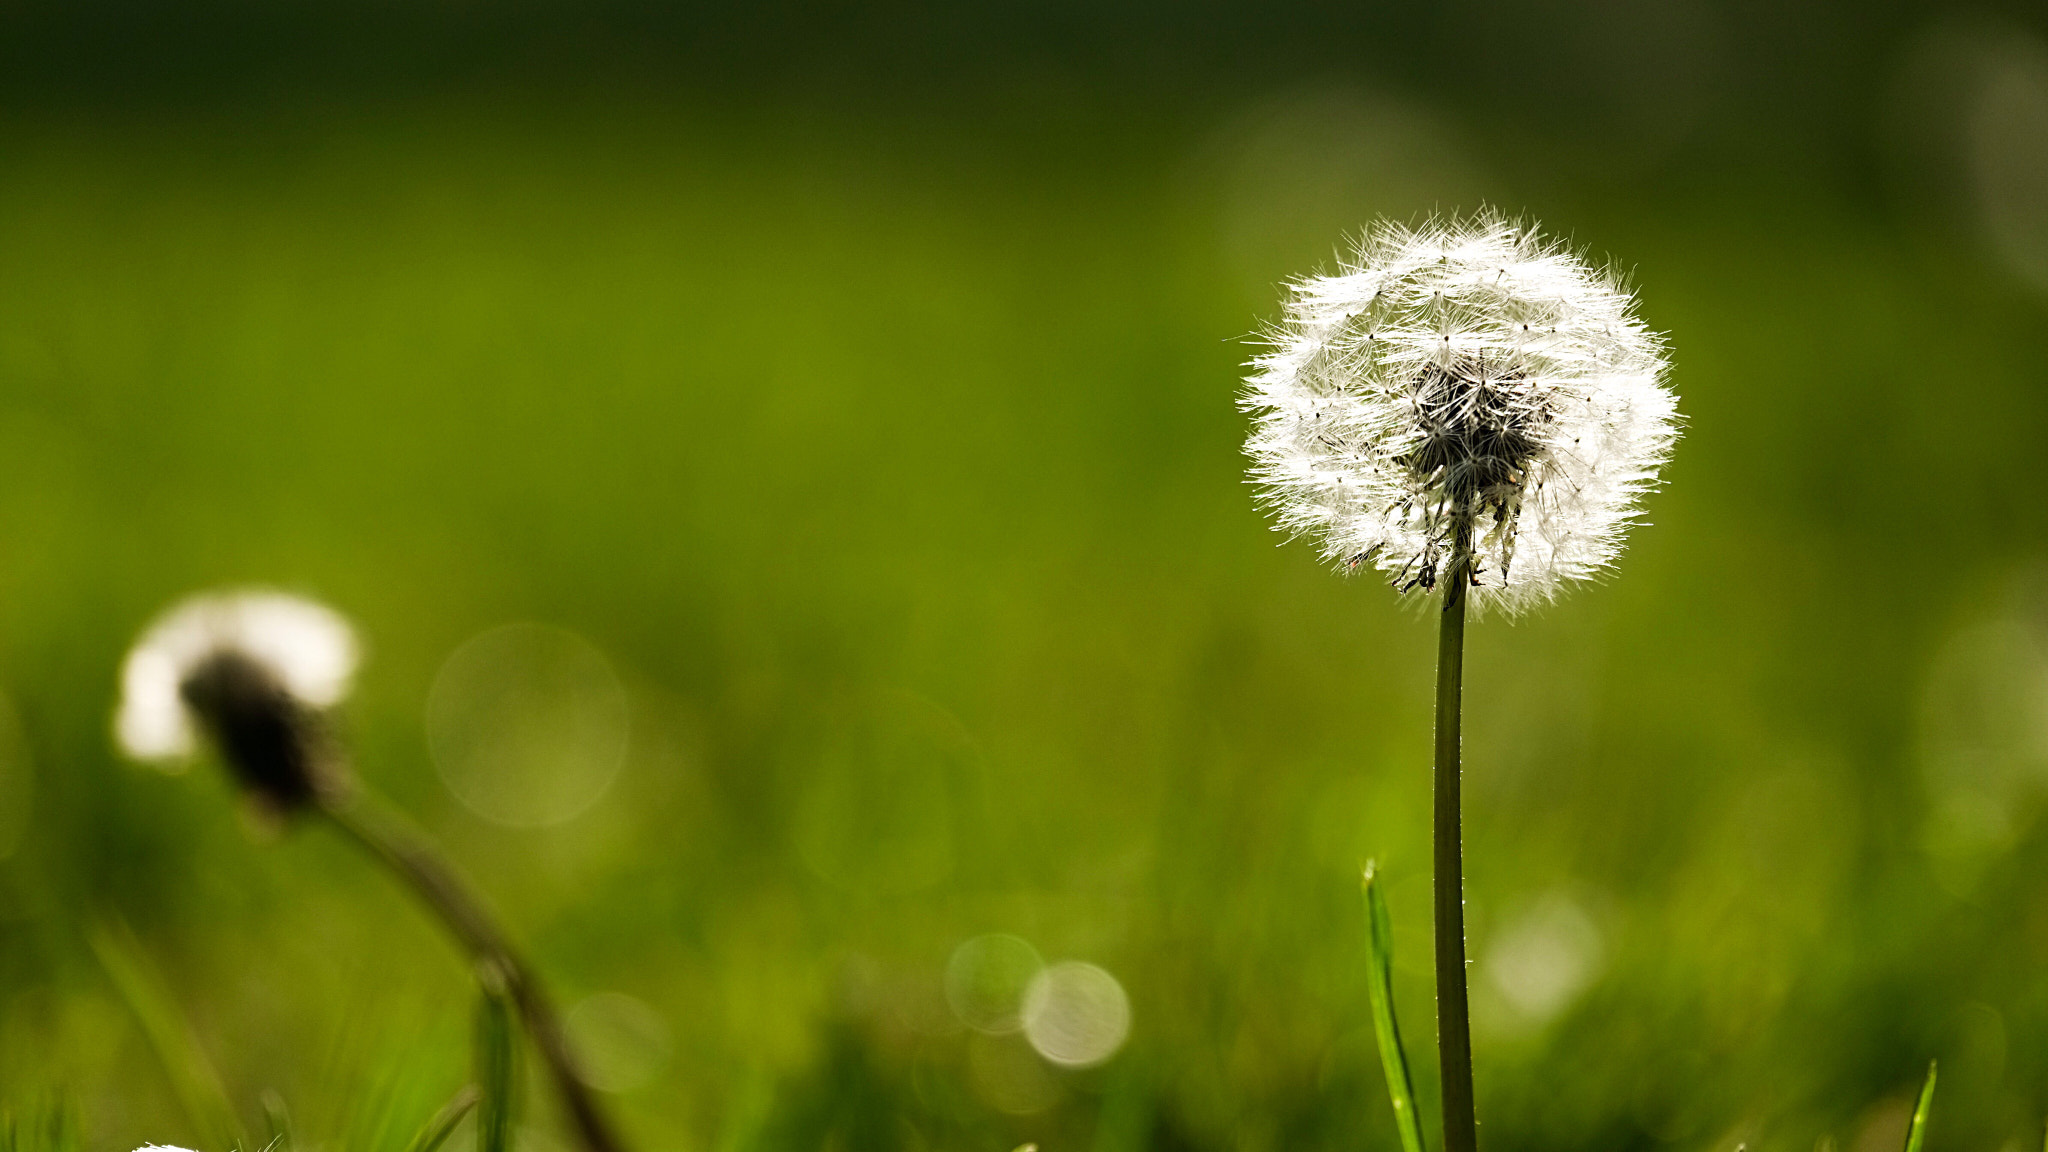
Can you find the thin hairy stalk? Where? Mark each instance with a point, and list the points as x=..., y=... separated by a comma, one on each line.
x=1453, y=1020
x=416, y=862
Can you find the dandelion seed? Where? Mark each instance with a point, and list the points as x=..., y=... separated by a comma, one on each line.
x=1464, y=380
x=254, y=672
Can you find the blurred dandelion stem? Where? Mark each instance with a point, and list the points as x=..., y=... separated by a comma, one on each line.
x=415, y=860
x=1453, y=1018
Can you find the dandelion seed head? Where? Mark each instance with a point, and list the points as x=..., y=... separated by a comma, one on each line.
x=1464, y=378
x=251, y=670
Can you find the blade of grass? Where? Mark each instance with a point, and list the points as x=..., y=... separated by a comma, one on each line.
x=1393, y=1060
x=437, y=1130
x=1916, y=1133
x=279, y=1119
x=60, y=1124
x=497, y=1074
x=194, y=1080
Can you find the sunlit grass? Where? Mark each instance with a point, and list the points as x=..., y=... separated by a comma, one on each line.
x=837, y=434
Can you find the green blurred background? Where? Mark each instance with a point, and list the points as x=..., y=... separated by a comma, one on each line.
x=840, y=400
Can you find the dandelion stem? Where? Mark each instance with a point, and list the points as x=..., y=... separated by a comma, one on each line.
x=1453, y=1021
x=416, y=862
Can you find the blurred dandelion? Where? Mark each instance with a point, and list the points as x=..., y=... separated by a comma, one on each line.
x=254, y=671
x=255, y=674
x=1463, y=406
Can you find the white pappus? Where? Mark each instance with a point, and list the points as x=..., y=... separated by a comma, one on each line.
x=1461, y=382
x=307, y=648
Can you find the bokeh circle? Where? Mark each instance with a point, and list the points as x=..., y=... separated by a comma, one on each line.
x=527, y=724
x=1076, y=1014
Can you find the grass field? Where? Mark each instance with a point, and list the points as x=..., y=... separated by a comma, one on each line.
x=890, y=463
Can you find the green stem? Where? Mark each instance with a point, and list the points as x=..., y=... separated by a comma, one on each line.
x=416, y=862
x=1453, y=1019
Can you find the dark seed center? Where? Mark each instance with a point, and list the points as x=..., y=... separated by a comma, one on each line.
x=1479, y=430
x=269, y=740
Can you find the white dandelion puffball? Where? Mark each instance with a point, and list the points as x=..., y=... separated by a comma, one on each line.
x=306, y=648
x=1462, y=382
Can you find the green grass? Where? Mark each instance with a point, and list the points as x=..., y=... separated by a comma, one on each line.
x=1916, y=1131
x=443, y=1124
x=196, y=1083
x=891, y=462
x=1386, y=1031
x=497, y=1070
